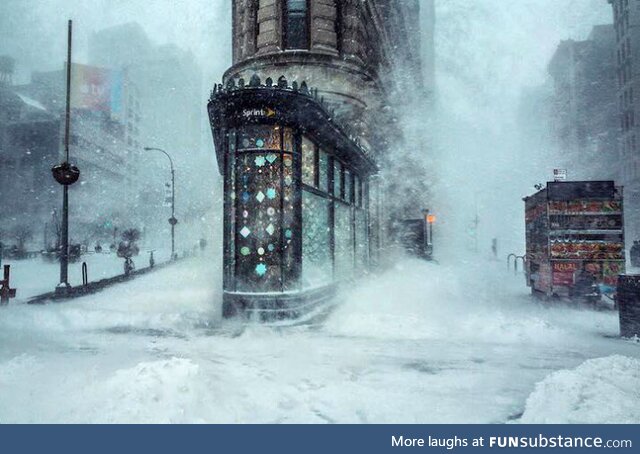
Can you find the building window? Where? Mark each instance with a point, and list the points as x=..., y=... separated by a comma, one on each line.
x=362, y=240
x=255, y=6
x=344, y=241
x=339, y=25
x=337, y=179
x=323, y=172
x=296, y=24
x=308, y=162
x=317, y=262
x=264, y=208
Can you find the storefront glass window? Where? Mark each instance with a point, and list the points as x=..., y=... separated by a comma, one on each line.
x=290, y=233
x=288, y=139
x=362, y=241
x=317, y=268
x=344, y=246
x=323, y=170
x=337, y=179
x=258, y=245
x=259, y=138
x=348, y=186
x=308, y=162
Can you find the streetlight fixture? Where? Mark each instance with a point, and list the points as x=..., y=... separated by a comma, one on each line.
x=172, y=220
x=66, y=175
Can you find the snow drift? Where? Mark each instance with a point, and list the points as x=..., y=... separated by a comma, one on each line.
x=456, y=301
x=600, y=391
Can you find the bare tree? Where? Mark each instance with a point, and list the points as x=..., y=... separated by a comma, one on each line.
x=22, y=234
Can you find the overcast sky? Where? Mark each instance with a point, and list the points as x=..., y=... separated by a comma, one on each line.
x=34, y=31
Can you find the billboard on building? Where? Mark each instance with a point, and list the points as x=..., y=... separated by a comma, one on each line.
x=97, y=89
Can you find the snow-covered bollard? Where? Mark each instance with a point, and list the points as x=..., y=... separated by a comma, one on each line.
x=628, y=300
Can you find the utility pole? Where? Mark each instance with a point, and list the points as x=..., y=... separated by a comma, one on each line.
x=66, y=175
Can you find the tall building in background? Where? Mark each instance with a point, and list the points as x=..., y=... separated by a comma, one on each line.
x=32, y=130
x=169, y=96
x=169, y=82
x=305, y=122
x=29, y=145
x=584, y=109
x=428, y=27
x=626, y=49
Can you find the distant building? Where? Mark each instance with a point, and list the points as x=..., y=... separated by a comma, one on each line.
x=584, y=111
x=535, y=126
x=169, y=85
x=169, y=93
x=33, y=133
x=626, y=49
x=306, y=122
x=29, y=144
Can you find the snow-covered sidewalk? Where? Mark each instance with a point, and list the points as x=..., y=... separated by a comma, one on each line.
x=419, y=343
x=37, y=276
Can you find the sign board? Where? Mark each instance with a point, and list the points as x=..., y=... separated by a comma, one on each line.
x=559, y=174
x=267, y=112
x=97, y=89
x=563, y=272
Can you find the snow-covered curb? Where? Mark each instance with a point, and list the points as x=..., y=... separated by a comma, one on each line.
x=600, y=391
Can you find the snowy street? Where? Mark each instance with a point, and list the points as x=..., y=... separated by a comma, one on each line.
x=422, y=343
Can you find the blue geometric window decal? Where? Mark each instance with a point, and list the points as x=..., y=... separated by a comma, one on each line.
x=260, y=161
x=260, y=196
x=245, y=232
x=271, y=193
x=271, y=158
x=261, y=269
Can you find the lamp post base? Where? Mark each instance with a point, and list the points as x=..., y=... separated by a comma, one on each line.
x=63, y=289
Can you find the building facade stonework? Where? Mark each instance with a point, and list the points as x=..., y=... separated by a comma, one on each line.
x=364, y=57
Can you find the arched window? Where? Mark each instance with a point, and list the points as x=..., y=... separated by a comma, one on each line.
x=255, y=6
x=296, y=24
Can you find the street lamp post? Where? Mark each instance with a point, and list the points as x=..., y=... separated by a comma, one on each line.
x=66, y=174
x=172, y=220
